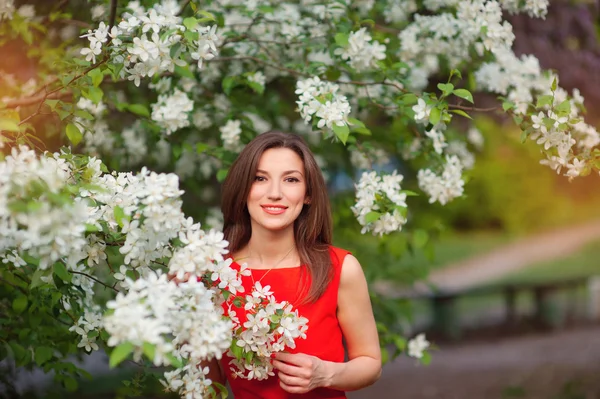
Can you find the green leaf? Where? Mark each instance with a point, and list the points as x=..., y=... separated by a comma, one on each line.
x=372, y=217
x=149, y=350
x=36, y=279
x=61, y=271
x=177, y=363
x=120, y=353
x=355, y=122
x=70, y=383
x=554, y=85
x=207, y=15
x=409, y=193
x=222, y=174
x=362, y=130
x=97, y=76
x=119, y=215
x=420, y=238
x=139, y=109
x=84, y=114
x=43, y=354
x=184, y=72
x=435, y=116
x=409, y=99
x=564, y=107
x=341, y=39
x=20, y=304
x=257, y=87
x=455, y=72
x=190, y=23
x=464, y=93
x=461, y=113
x=507, y=105
x=202, y=147
x=543, y=101
x=9, y=125
x=342, y=132
x=74, y=134
x=95, y=94
x=229, y=83
x=446, y=88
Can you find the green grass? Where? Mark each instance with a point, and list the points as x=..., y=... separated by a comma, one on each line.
x=383, y=262
x=583, y=263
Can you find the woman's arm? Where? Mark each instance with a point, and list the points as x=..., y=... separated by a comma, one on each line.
x=301, y=373
x=215, y=372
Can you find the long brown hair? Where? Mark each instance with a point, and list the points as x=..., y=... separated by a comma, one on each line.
x=312, y=228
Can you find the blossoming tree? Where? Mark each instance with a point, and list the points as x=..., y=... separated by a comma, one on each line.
x=149, y=97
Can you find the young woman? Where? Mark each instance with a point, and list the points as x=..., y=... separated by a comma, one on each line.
x=277, y=220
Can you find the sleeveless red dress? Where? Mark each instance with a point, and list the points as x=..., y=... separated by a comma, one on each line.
x=323, y=337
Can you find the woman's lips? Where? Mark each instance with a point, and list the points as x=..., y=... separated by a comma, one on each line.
x=273, y=210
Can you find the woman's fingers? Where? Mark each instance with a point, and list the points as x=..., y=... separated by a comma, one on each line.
x=173, y=277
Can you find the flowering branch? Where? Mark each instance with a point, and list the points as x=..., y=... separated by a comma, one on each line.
x=466, y=108
x=95, y=279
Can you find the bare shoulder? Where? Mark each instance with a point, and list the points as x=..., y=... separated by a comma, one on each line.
x=352, y=271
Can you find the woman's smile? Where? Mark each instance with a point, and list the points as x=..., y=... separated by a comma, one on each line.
x=274, y=209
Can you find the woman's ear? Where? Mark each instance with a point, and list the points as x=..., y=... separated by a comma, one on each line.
x=307, y=201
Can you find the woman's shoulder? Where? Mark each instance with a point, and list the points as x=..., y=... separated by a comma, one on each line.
x=338, y=254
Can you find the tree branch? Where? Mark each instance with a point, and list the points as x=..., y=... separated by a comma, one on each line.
x=95, y=279
x=113, y=14
x=14, y=286
x=458, y=106
x=33, y=100
x=183, y=6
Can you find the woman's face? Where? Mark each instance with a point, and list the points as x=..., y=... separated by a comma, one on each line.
x=278, y=192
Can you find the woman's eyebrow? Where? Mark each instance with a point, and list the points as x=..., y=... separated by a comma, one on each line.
x=287, y=172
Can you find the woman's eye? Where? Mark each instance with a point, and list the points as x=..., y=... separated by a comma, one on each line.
x=292, y=180
x=259, y=178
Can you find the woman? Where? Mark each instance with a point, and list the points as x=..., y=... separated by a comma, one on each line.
x=277, y=220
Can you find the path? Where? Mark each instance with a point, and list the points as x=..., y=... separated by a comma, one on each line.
x=539, y=366
x=490, y=266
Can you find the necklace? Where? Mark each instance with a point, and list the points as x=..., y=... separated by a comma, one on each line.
x=271, y=268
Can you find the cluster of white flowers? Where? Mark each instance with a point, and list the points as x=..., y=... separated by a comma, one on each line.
x=459, y=148
x=475, y=24
x=362, y=52
x=438, y=140
x=366, y=160
x=516, y=79
x=90, y=321
x=139, y=44
x=269, y=327
x=184, y=321
x=30, y=221
x=380, y=203
x=417, y=346
x=422, y=111
x=445, y=187
x=7, y=8
x=258, y=78
x=320, y=100
x=534, y=8
x=230, y=135
x=171, y=111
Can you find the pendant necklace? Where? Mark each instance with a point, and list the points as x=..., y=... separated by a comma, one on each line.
x=271, y=268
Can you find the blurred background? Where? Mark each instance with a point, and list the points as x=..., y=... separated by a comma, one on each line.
x=511, y=303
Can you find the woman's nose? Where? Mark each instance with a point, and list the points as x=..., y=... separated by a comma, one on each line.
x=274, y=191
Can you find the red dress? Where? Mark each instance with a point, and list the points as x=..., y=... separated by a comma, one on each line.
x=323, y=337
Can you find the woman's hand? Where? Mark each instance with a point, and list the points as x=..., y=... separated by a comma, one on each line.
x=300, y=373
x=173, y=277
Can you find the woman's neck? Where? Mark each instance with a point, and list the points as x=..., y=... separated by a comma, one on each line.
x=268, y=247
